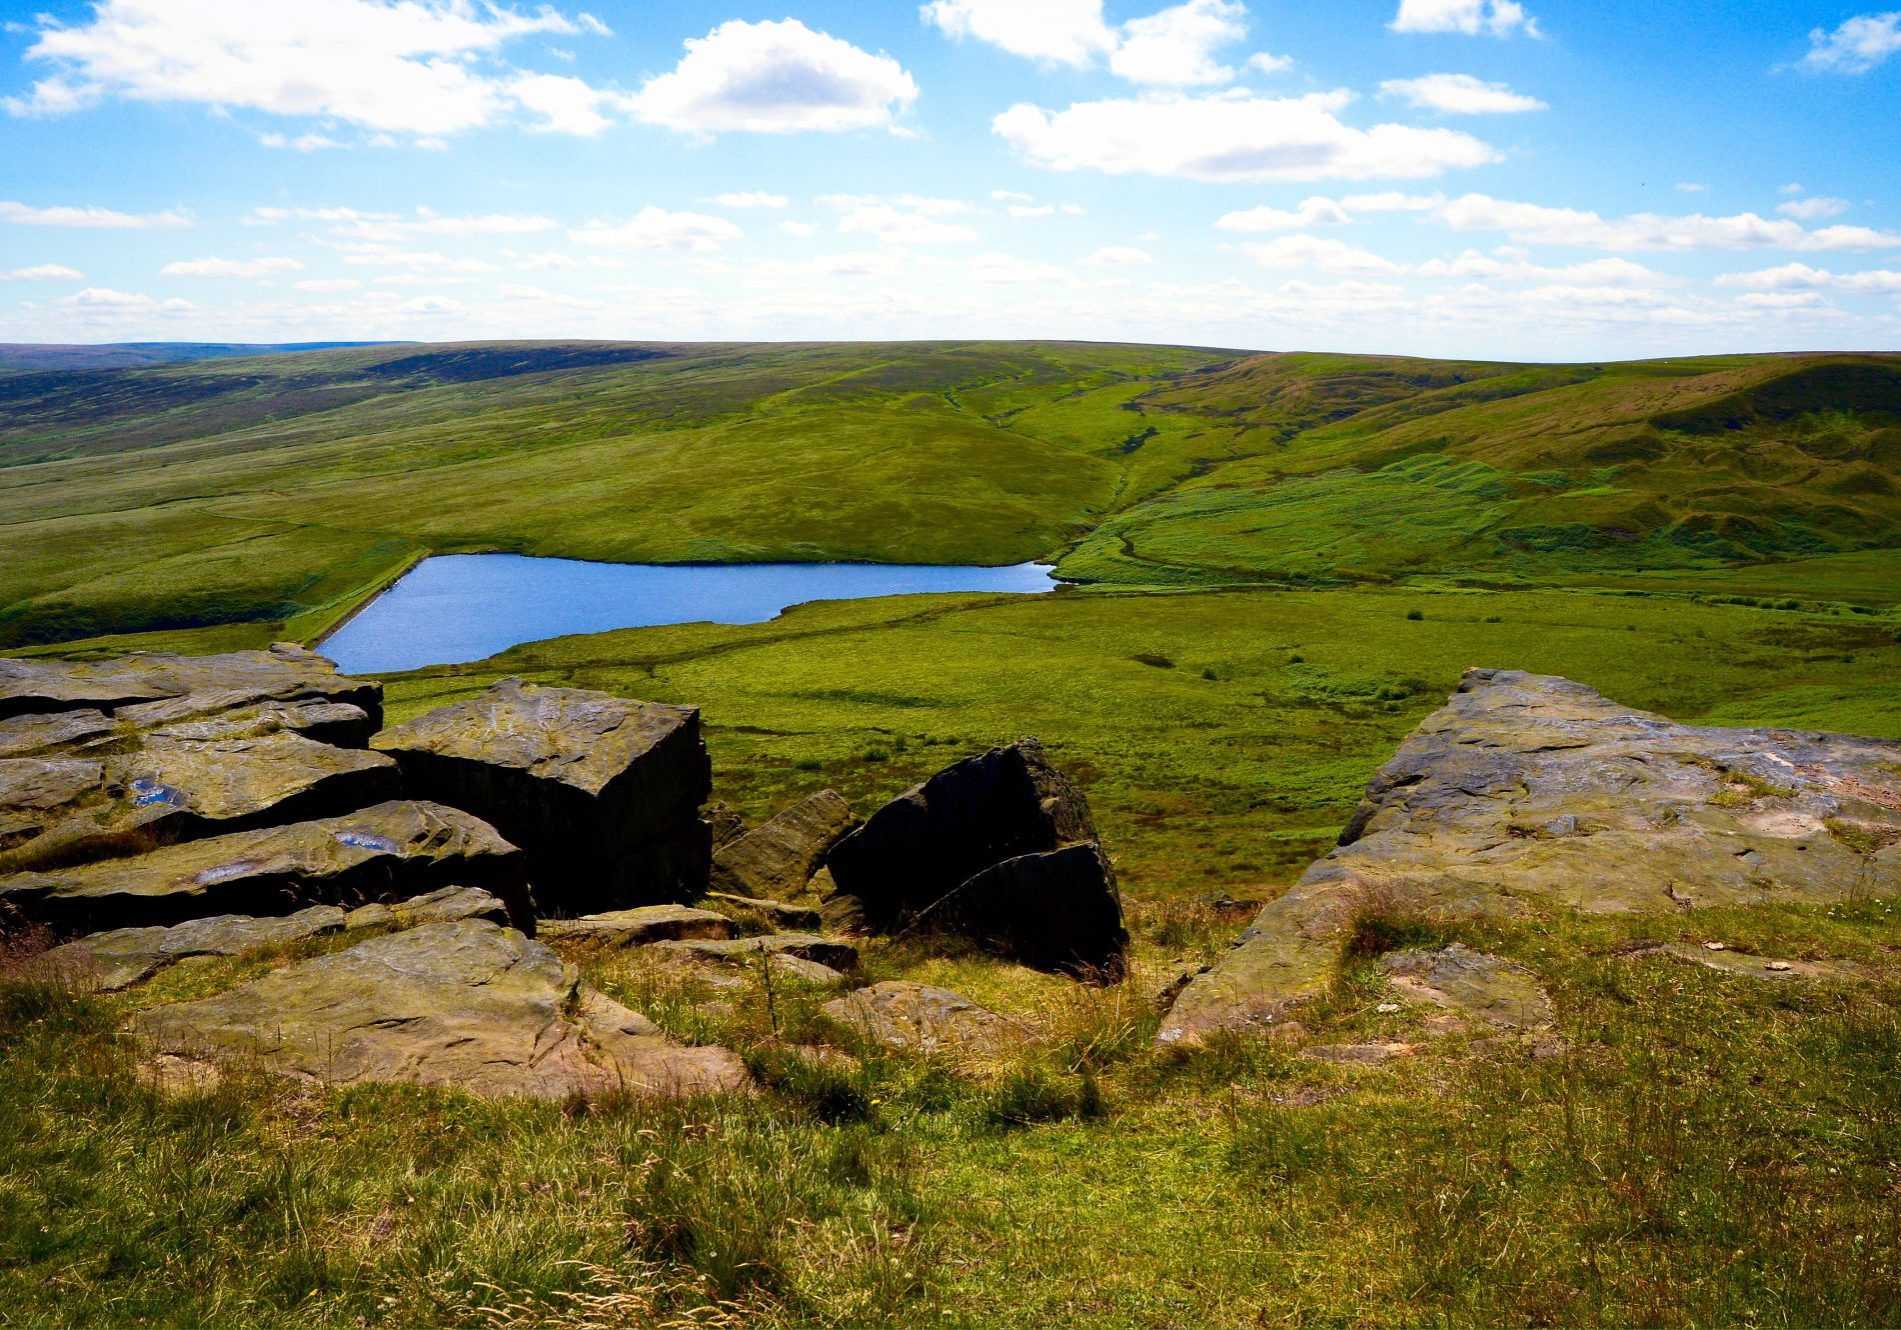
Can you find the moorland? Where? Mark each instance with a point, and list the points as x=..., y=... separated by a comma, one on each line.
x=1280, y=564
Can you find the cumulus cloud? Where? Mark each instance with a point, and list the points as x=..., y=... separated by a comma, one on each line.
x=774, y=78
x=1499, y=18
x=1322, y=253
x=419, y=67
x=1118, y=256
x=1801, y=277
x=902, y=219
x=213, y=267
x=1513, y=266
x=1811, y=209
x=105, y=298
x=1531, y=223
x=43, y=272
x=751, y=198
x=798, y=230
x=1176, y=46
x=92, y=217
x=1232, y=137
x=1855, y=47
x=327, y=284
x=1311, y=212
x=1008, y=269
x=656, y=228
x=1460, y=94
x=1064, y=32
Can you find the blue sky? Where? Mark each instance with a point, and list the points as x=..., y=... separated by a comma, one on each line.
x=1532, y=179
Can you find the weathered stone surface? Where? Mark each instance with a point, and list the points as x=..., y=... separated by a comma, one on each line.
x=1058, y=910
x=1471, y=987
x=59, y=733
x=778, y=857
x=127, y=956
x=71, y=810
x=469, y=1005
x=641, y=925
x=387, y=852
x=228, y=715
x=1527, y=792
x=725, y=822
x=446, y=906
x=1745, y=964
x=826, y=951
x=764, y=916
x=924, y=1019
x=932, y=838
x=284, y=673
x=603, y=793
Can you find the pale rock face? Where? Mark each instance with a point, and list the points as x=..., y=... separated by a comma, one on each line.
x=1527, y=792
x=925, y=1019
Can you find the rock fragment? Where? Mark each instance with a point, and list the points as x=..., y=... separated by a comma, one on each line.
x=925, y=1019
x=778, y=857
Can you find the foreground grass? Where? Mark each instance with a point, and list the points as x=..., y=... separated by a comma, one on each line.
x=1696, y=1149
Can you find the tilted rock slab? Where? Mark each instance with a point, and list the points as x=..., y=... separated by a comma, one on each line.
x=754, y=915
x=778, y=857
x=447, y=906
x=925, y=1019
x=470, y=1005
x=284, y=673
x=127, y=956
x=603, y=793
x=827, y=951
x=387, y=852
x=642, y=925
x=1000, y=847
x=1528, y=792
x=57, y=810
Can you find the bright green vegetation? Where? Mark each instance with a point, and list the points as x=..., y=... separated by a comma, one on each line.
x=1296, y=556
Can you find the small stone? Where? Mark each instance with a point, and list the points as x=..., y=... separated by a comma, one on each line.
x=1715, y=946
x=1777, y=965
x=1387, y=1008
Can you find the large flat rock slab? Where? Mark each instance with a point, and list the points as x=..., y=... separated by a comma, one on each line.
x=283, y=673
x=127, y=956
x=830, y=952
x=471, y=1005
x=778, y=857
x=1529, y=792
x=602, y=792
x=390, y=851
x=642, y=925
x=923, y=1018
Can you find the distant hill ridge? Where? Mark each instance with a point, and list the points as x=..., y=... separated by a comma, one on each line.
x=15, y=356
x=269, y=488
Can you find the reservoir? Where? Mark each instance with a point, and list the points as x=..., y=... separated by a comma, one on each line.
x=455, y=608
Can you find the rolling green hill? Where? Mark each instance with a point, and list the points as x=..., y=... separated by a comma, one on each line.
x=281, y=489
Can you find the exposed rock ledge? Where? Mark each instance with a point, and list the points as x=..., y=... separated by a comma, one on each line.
x=1527, y=792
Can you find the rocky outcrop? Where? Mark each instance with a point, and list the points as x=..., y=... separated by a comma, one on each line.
x=754, y=915
x=1467, y=988
x=126, y=956
x=641, y=925
x=1528, y=792
x=390, y=851
x=469, y=1005
x=778, y=857
x=827, y=951
x=603, y=793
x=286, y=673
x=924, y=1019
x=448, y=905
x=1000, y=845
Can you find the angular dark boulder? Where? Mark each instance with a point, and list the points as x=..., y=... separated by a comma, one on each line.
x=778, y=857
x=387, y=852
x=932, y=838
x=1055, y=910
x=603, y=793
x=1000, y=848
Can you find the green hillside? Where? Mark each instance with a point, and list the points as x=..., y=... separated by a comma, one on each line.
x=285, y=487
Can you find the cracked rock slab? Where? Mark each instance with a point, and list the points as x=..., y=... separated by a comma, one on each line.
x=285, y=672
x=127, y=956
x=642, y=925
x=470, y=1005
x=925, y=1019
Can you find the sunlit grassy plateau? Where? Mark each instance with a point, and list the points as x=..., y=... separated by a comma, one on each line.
x=1282, y=563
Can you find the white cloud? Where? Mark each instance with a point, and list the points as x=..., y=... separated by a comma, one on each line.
x=212, y=267
x=43, y=272
x=1064, y=32
x=751, y=198
x=775, y=77
x=1531, y=223
x=1232, y=137
x=302, y=143
x=1499, y=18
x=389, y=227
x=1690, y=187
x=902, y=219
x=1264, y=63
x=798, y=229
x=1322, y=253
x=1809, y=210
x=417, y=261
x=93, y=217
x=105, y=298
x=1801, y=277
x=999, y=269
x=1176, y=46
x=1782, y=300
x=1513, y=266
x=1117, y=256
x=1460, y=94
x=656, y=228
x=328, y=284
x=1311, y=212
x=402, y=66
x=1855, y=47
x=547, y=262
x=565, y=105
x=1793, y=187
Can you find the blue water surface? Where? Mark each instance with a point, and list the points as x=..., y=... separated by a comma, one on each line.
x=461, y=607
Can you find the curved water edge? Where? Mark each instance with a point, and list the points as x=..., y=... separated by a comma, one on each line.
x=455, y=608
